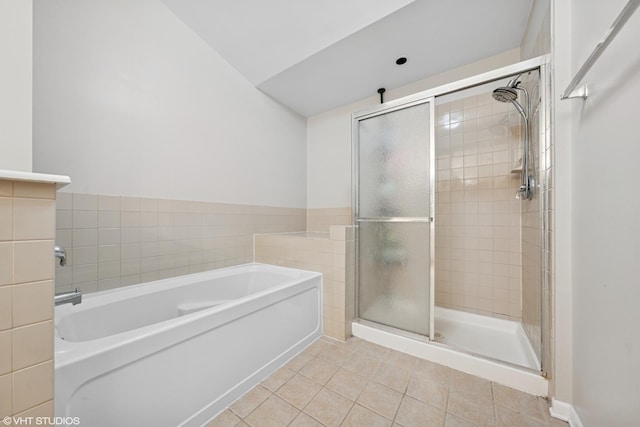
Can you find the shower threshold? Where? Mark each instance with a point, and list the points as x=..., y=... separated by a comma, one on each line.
x=490, y=348
x=499, y=339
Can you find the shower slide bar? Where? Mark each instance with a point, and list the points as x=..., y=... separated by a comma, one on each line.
x=582, y=91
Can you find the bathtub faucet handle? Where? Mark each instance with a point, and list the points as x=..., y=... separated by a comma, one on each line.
x=61, y=254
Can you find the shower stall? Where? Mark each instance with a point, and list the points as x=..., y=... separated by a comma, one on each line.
x=448, y=215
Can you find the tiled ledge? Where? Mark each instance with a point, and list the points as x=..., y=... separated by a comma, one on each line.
x=328, y=253
x=11, y=175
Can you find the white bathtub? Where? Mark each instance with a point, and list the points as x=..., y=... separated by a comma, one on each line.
x=175, y=352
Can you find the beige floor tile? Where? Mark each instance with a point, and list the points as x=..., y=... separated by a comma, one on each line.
x=474, y=388
x=453, y=421
x=225, y=419
x=373, y=351
x=304, y=420
x=508, y=418
x=554, y=422
x=319, y=370
x=518, y=401
x=412, y=413
x=402, y=360
x=316, y=348
x=273, y=412
x=433, y=372
x=360, y=416
x=347, y=384
x=250, y=401
x=375, y=378
x=335, y=354
x=477, y=412
x=352, y=343
x=362, y=364
x=328, y=407
x=392, y=376
x=428, y=391
x=276, y=380
x=298, y=362
x=380, y=399
x=299, y=391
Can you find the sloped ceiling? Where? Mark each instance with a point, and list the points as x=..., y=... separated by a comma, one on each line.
x=317, y=55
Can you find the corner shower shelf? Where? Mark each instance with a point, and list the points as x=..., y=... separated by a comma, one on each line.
x=573, y=91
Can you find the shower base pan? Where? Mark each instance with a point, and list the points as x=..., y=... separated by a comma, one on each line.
x=490, y=348
x=499, y=339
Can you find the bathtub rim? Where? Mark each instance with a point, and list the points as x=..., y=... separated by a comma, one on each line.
x=111, y=295
x=70, y=352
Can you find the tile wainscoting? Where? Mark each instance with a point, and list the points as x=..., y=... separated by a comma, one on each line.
x=115, y=241
x=27, y=229
x=321, y=219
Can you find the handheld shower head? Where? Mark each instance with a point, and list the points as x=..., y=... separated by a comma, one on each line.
x=505, y=94
x=509, y=94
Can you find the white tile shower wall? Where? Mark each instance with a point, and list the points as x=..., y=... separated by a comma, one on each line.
x=477, y=218
x=115, y=241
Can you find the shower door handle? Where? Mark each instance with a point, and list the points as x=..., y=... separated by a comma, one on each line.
x=396, y=219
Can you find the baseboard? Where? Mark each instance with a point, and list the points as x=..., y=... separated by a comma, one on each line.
x=565, y=412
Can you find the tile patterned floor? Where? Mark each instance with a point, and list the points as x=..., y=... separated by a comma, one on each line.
x=361, y=384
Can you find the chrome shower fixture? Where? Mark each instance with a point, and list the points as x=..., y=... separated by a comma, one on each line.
x=509, y=93
x=505, y=94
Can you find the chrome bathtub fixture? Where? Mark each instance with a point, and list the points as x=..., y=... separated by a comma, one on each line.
x=73, y=297
x=61, y=254
x=509, y=93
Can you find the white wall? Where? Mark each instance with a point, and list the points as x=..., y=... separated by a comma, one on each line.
x=604, y=217
x=129, y=101
x=15, y=84
x=329, y=134
x=562, y=376
x=537, y=34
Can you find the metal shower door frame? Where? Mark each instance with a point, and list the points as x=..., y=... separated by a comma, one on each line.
x=542, y=64
x=377, y=111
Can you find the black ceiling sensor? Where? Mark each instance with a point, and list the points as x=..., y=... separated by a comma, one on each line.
x=401, y=60
x=381, y=91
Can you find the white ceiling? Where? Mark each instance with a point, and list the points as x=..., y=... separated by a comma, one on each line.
x=317, y=55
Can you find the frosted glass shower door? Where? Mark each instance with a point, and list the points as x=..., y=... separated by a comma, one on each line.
x=393, y=215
